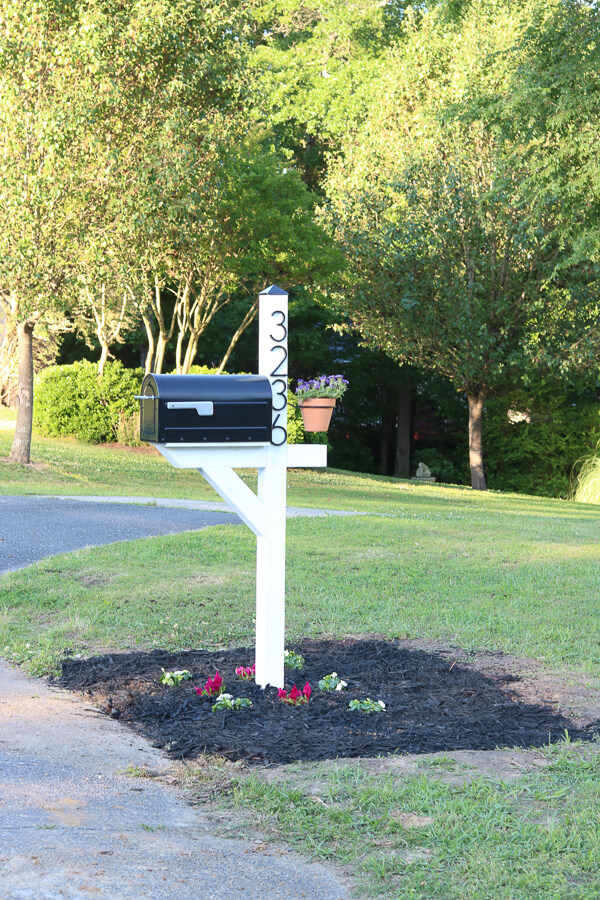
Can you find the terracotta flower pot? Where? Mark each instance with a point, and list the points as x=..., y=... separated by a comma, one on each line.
x=316, y=413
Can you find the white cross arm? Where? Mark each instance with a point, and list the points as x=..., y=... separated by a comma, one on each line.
x=228, y=456
x=238, y=495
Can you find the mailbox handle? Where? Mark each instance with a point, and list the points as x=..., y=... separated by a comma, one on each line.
x=145, y=397
x=202, y=407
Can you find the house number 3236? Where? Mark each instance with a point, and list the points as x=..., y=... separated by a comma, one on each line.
x=279, y=377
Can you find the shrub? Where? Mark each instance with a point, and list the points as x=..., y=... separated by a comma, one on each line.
x=535, y=452
x=587, y=484
x=128, y=429
x=75, y=400
x=55, y=400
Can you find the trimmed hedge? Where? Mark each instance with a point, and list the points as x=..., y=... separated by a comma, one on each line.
x=75, y=401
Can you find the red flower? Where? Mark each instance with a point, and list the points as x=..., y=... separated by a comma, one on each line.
x=213, y=686
x=295, y=695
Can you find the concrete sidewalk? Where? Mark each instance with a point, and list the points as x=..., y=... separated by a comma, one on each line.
x=209, y=505
x=73, y=825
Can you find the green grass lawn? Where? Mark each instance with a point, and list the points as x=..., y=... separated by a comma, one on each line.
x=419, y=836
x=483, y=570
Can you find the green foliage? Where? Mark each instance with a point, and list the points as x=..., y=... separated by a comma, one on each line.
x=453, y=265
x=174, y=679
x=587, y=486
x=127, y=429
x=295, y=425
x=204, y=370
x=550, y=114
x=226, y=702
x=534, y=440
x=75, y=400
x=366, y=706
x=442, y=467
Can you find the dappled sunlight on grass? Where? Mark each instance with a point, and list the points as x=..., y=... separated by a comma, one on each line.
x=484, y=570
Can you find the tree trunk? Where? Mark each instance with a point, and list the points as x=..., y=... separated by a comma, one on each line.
x=476, y=404
x=190, y=353
x=103, y=357
x=402, y=449
x=148, y=360
x=21, y=447
x=248, y=318
x=159, y=354
x=384, y=434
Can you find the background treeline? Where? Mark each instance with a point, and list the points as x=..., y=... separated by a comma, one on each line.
x=421, y=177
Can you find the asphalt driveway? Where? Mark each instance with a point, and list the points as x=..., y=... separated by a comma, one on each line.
x=32, y=528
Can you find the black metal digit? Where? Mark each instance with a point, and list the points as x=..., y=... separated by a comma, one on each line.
x=279, y=325
x=279, y=365
x=282, y=392
x=275, y=428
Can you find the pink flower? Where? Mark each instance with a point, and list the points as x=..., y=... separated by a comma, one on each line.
x=245, y=671
x=306, y=690
x=213, y=686
x=282, y=694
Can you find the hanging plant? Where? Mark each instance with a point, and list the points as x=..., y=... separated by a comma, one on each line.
x=316, y=399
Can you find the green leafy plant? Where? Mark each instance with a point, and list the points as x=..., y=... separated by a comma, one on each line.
x=75, y=400
x=367, y=706
x=587, y=488
x=227, y=701
x=174, y=679
x=293, y=660
x=332, y=683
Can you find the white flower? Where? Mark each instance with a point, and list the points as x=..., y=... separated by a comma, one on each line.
x=225, y=696
x=341, y=685
x=381, y=703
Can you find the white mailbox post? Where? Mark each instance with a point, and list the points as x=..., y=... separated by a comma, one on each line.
x=265, y=511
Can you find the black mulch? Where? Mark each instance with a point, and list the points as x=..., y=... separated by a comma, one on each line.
x=432, y=704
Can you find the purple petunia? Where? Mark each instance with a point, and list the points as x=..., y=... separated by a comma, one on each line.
x=322, y=386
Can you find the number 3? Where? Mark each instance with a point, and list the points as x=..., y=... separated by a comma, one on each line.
x=279, y=312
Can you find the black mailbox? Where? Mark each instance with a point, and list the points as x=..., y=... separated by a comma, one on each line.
x=211, y=409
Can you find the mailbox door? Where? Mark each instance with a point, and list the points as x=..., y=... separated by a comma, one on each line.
x=235, y=422
x=149, y=411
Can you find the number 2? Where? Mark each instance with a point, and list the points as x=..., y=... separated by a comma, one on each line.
x=279, y=365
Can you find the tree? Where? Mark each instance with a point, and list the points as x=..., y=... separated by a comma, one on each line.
x=230, y=220
x=454, y=268
x=550, y=115
x=40, y=147
x=99, y=105
x=189, y=197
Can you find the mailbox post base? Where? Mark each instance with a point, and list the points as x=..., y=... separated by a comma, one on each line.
x=265, y=514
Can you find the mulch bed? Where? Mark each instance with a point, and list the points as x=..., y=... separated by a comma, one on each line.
x=433, y=703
